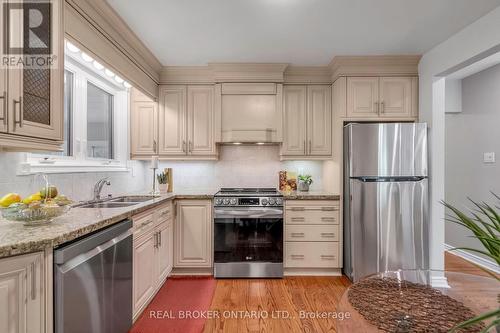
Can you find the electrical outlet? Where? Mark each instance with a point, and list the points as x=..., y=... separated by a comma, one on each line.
x=489, y=157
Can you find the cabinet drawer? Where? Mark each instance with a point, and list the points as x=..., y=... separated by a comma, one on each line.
x=312, y=233
x=143, y=224
x=312, y=215
x=164, y=213
x=311, y=254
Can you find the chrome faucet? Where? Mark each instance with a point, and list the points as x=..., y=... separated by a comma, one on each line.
x=98, y=187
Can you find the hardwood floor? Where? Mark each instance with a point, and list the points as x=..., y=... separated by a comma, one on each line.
x=253, y=305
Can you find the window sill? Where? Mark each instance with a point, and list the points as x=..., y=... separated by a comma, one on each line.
x=60, y=166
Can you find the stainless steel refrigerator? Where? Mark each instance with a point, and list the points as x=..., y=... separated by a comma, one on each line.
x=386, y=198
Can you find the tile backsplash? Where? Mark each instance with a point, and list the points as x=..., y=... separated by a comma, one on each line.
x=240, y=166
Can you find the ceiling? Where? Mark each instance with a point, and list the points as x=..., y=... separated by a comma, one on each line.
x=300, y=32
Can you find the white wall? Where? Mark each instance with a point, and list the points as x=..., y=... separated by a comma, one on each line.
x=476, y=38
x=469, y=134
x=240, y=166
x=77, y=186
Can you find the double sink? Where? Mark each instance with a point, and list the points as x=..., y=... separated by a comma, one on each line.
x=118, y=202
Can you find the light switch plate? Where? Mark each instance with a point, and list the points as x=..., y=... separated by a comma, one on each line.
x=489, y=157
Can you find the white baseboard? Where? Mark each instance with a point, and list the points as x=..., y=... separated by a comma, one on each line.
x=488, y=264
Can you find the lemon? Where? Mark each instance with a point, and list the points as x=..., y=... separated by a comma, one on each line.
x=31, y=198
x=9, y=199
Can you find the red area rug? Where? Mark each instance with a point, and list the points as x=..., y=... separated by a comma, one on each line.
x=178, y=307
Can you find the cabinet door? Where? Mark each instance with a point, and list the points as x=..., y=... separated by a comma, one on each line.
x=172, y=121
x=163, y=252
x=193, y=234
x=144, y=278
x=22, y=296
x=395, y=97
x=362, y=97
x=201, y=120
x=294, y=120
x=319, y=120
x=3, y=84
x=143, y=128
x=36, y=94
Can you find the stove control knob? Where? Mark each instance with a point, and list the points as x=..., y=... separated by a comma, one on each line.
x=233, y=201
x=226, y=201
x=279, y=201
x=264, y=202
x=272, y=201
x=218, y=201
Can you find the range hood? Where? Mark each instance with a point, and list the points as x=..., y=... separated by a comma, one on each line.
x=251, y=112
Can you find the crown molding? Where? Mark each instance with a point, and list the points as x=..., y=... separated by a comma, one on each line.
x=393, y=65
x=248, y=72
x=308, y=75
x=186, y=75
x=107, y=21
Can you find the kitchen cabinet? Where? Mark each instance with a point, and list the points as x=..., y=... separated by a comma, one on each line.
x=22, y=293
x=307, y=132
x=152, y=255
x=144, y=125
x=193, y=233
x=382, y=97
x=31, y=111
x=312, y=236
x=187, y=122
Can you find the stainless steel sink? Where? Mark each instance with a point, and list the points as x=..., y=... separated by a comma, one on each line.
x=108, y=204
x=134, y=198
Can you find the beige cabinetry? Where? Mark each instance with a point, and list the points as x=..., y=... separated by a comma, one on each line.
x=144, y=125
x=22, y=294
x=193, y=233
x=152, y=254
x=307, y=132
x=312, y=237
x=382, y=97
x=187, y=122
x=31, y=98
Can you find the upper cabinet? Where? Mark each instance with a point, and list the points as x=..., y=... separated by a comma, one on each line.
x=31, y=97
x=144, y=128
x=187, y=122
x=307, y=124
x=382, y=97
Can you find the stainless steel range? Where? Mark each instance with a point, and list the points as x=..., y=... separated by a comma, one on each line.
x=248, y=233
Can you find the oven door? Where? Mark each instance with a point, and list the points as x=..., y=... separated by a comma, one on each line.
x=248, y=234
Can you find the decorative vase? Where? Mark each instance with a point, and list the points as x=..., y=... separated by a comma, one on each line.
x=303, y=186
x=163, y=188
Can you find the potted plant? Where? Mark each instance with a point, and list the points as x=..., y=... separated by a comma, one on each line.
x=162, y=182
x=484, y=223
x=304, y=182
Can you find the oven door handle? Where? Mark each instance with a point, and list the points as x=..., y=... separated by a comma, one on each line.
x=248, y=213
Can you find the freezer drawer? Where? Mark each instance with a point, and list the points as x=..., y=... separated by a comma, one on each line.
x=388, y=226
x=386, y=150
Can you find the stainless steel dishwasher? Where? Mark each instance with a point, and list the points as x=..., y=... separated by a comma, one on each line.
x=93, y=282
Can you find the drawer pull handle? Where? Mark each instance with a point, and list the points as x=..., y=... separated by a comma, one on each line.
x=33, y=280
x=328, y=218
x=298, y=219
x=297, y=234
x=165, y=212
x=329, y=209
x=298, y=209
x=328, y=234
x=297, y=256
x=327, y=257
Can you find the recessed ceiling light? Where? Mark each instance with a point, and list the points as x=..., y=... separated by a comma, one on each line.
x=236, y=143
x=260, y=143
x=72, y=47
x=127, y=85
x=98, y=66
x=109, y=73
x=86, y=57
x=119, y=79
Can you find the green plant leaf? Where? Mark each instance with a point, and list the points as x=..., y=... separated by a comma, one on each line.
x=476, y=320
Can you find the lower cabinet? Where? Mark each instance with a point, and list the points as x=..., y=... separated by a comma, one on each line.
x=312, y=235
x=22, y=294
x=193, y=233
x=153, y=254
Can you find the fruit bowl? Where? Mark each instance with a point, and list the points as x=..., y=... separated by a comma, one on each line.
x=34, y=214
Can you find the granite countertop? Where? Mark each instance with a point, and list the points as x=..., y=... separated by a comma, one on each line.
x=15, y=238
x=310, y=195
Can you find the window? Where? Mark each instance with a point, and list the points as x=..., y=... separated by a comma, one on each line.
x=99, y=123
x=95, y=120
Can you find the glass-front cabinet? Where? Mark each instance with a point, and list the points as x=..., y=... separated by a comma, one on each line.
x=31, y=85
